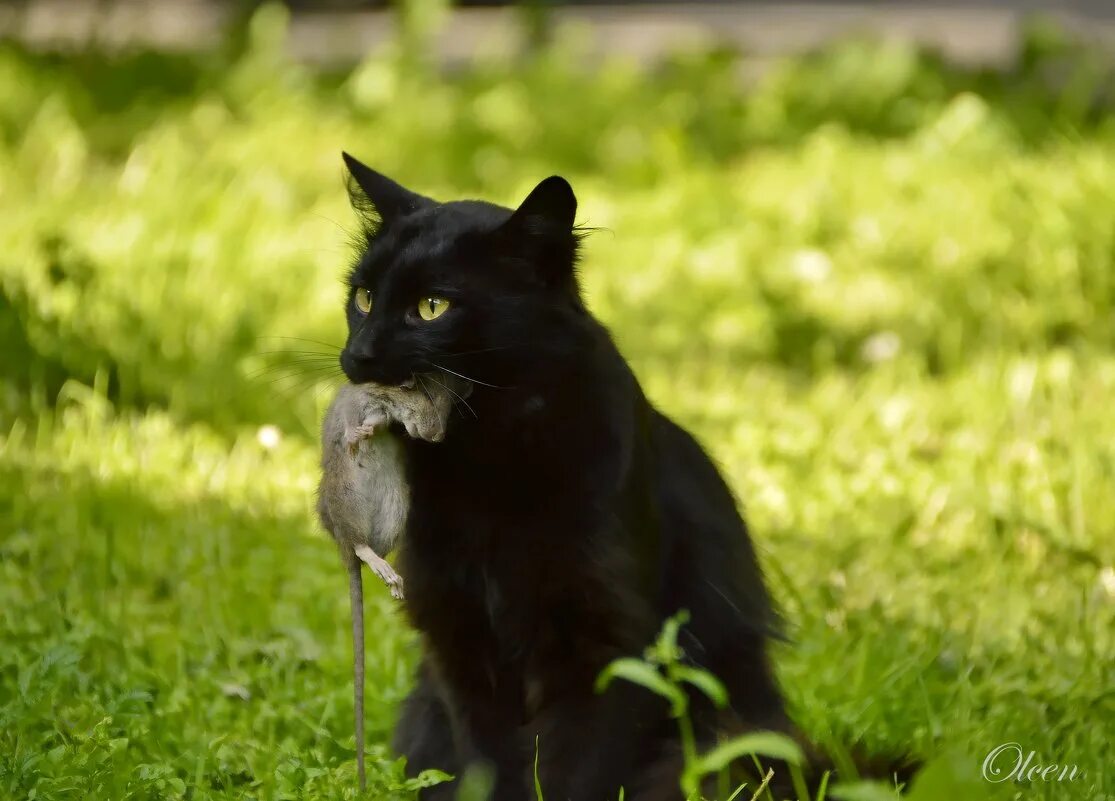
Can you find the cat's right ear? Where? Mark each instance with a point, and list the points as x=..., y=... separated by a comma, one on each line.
x=376, y=196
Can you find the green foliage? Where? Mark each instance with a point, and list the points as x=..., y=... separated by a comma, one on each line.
x=764, y=743
x=646, y=676
x=879, y=289
x=663, y=672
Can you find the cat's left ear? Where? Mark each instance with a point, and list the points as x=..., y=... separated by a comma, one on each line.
x=540, y=233
x=376, y=195
x=551, y=203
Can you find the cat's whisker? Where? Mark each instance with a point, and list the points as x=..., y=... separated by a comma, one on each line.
x=327, y=383
x=302, y=383
x=417, y=379
x=294, y=367
x=273, y=356
x=311, y=372
x=451, y=392
x=330, y=353
x=299, y=362
x=302, y=339
x=422, y=386
x=266, y=372
x=288, y=384
x=471, y=352
x=426, y=391
x=465, y=377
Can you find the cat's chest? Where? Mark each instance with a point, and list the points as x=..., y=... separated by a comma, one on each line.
x=474, y=606
x=502, y=482
x=502, y=517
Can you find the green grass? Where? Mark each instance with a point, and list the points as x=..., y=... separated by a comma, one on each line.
x=880, y=289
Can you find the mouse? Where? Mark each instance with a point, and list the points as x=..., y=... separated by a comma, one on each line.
x=363, y=497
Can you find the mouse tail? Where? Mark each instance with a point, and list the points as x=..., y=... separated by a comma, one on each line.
x=356, y=602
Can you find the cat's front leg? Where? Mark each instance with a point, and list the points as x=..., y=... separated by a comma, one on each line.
x=592, y=744
x=481, y=699
x=490, y=739
x=589, y=746
x=425, y=736
x=486, y=714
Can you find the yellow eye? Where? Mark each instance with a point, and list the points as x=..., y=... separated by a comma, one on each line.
x=432, y=308
x=363, y=300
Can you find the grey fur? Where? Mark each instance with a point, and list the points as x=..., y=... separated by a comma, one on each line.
x=363, y=497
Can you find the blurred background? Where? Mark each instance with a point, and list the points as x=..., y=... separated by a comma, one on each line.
x=866, y=251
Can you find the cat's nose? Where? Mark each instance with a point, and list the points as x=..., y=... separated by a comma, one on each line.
x=364, y=351
x=360, y=368
x=358, y=365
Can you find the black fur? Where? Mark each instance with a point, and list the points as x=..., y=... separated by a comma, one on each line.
x=559, y=523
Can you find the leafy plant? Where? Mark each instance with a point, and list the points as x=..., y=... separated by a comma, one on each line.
x=664, y=672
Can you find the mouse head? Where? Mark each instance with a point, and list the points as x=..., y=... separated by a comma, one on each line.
x=424, y=411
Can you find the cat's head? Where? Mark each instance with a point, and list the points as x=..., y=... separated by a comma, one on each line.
x=462, y=288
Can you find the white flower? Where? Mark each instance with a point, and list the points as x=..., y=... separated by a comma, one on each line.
x=1107, y=581
x=881, y=347
x=811, y=266
x=269, y=436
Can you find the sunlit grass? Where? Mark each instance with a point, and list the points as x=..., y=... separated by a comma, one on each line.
x=884, y=303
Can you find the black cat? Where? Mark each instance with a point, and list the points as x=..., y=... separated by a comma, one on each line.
x=559, y=523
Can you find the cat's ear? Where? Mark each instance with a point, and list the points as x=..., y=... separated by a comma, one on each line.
x=551, y=203
x=377, y=196
x=540, y=233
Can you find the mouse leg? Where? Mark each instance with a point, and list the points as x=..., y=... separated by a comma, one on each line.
x=354, y=436
x=382, y=569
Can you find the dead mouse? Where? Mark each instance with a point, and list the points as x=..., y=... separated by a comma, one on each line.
x=363, y=497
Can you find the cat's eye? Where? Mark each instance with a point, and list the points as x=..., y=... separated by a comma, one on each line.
x=363, y=299
x=432, y=308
